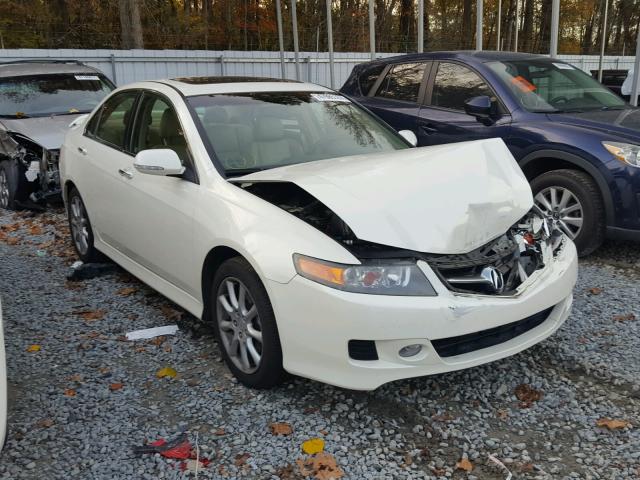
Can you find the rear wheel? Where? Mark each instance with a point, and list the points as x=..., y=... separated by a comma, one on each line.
x=245, y=325
x=80, y=227
x=572, y=200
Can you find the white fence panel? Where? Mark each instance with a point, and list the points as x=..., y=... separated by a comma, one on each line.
x=126, y=66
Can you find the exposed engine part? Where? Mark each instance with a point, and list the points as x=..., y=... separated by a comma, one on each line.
x=497, y=268
x=299, y=203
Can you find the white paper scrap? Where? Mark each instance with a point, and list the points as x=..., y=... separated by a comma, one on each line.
x=152, y=332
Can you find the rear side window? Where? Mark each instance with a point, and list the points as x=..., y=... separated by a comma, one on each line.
x=402, y=82
x=369, y=77
x=455, y=84
x=115, y=117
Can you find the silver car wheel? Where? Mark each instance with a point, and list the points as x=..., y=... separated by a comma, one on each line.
x=563, y=207
x=79, y=225
x=4, y=190
x=239, y=325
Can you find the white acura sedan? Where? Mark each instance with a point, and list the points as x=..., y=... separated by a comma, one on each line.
x=312, y=235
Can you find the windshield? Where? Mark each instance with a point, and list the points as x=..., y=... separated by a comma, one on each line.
x=257, y=131
x=551, y=86
x=42, y=95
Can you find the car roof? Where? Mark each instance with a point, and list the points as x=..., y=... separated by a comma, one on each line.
x=193, y=86
x=468, y=55
x=23, y=68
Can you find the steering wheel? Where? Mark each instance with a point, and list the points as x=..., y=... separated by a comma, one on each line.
x=558, y=100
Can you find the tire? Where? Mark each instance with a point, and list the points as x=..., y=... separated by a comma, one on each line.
x=587, y=196
x=12, y=185
x=231, y=325
x=80, y=228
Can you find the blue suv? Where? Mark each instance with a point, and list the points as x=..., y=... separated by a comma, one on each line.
x=576, y=141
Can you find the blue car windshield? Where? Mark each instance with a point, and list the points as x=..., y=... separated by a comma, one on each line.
x=545, y=85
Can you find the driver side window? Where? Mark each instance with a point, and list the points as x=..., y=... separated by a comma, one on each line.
x=455, y=84
x=157, y=126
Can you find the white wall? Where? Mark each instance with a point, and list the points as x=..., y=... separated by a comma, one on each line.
x=126, y=66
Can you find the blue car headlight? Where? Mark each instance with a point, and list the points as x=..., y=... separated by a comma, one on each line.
x=625, y=152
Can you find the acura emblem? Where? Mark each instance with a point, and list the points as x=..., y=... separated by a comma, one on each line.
x=493, y=277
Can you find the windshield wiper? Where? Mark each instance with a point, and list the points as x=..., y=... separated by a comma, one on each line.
x=56, y=114
x=13, y=115
x=239, y=172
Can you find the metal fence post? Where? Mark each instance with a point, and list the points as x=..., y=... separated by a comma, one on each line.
x=636, y=73
x=280, y=39
x=555, y=20
x=499, y=25
x=330, y=44
x=603, y=40
x=479, y=12
x=112, y=57
x=515, y=48
x=372, y=29
x=222, y=65
x=296, y=51
x=420, y=26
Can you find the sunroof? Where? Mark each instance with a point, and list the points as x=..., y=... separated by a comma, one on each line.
x=208, y=80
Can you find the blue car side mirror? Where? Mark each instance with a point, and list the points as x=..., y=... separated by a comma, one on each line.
x=482, y=107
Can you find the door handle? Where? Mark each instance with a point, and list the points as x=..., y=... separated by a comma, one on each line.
x=125, y=173
x=83, y=151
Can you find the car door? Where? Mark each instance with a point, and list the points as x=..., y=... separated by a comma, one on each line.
x=442, y=119
x=104, y=159
x=158, y=219
x=396, y=95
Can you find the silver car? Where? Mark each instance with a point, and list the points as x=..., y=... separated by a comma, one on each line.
x=38, y=101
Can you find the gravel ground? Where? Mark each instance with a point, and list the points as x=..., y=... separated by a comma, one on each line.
x=79, y=404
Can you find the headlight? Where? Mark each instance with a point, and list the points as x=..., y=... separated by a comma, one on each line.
x=381, y=278
x=625, y=152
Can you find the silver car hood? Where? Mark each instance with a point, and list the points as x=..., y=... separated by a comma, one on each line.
x=48, y=132
x=443, y=199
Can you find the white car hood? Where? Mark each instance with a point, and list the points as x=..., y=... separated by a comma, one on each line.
x=48, y=132
x=443, y=199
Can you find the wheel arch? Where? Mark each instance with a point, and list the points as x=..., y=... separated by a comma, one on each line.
x=68, y=185
x=543, y=161
x=216, y=257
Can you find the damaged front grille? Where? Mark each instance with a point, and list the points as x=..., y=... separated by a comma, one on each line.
x=496, y=268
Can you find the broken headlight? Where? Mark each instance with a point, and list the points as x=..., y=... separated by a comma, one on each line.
x=389, y=278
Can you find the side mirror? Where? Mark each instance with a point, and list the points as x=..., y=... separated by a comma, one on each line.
x=161, y=161
x=409, y=136
x=480, y=107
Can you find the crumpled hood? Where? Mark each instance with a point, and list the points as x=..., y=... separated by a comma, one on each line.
x=443, y=199
x=47, y=132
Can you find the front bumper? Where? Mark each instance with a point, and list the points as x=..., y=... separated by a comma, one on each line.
x=315, y=324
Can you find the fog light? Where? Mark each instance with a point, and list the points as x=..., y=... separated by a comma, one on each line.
x=410, y=350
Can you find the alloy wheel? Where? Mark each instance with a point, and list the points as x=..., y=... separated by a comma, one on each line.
x=4, y=190
x=239, y=325
x=79, y=225
x=563, y=208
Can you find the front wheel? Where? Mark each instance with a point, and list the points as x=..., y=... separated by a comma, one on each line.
x=245, y=325
x=12, y=188
x=80, y=227
x=572, y=200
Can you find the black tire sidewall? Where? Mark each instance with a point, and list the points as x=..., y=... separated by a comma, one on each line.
x=586, y=191
x=270, y=372
x=92, y=254
x=12, y=172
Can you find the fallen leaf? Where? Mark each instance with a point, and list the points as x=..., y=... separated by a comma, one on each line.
x=75, y=378
x=241, y=459
x=45, y=423
x=33, y=348
x=322, y=466
x=502, y=414
x=70, y=392
x=12, y=241
x=281, y=428
x=170, y=313
x=35, y=230
x=312, y=446
x=595, y=291
x=157, y=341
x=324, y=432
x=624, y=318
x=219, y=432
x=527, y=395
x=90, y=315
x=464, y=464
x=127, y=291
x=612, y=424
x=166, y=372
x=116, y=386
x=286, y=473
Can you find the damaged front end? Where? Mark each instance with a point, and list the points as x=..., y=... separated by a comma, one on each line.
x=499, y=267
x=38, y=177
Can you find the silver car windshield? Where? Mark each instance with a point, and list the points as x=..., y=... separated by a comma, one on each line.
x=54, y=94
x=257, y=131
